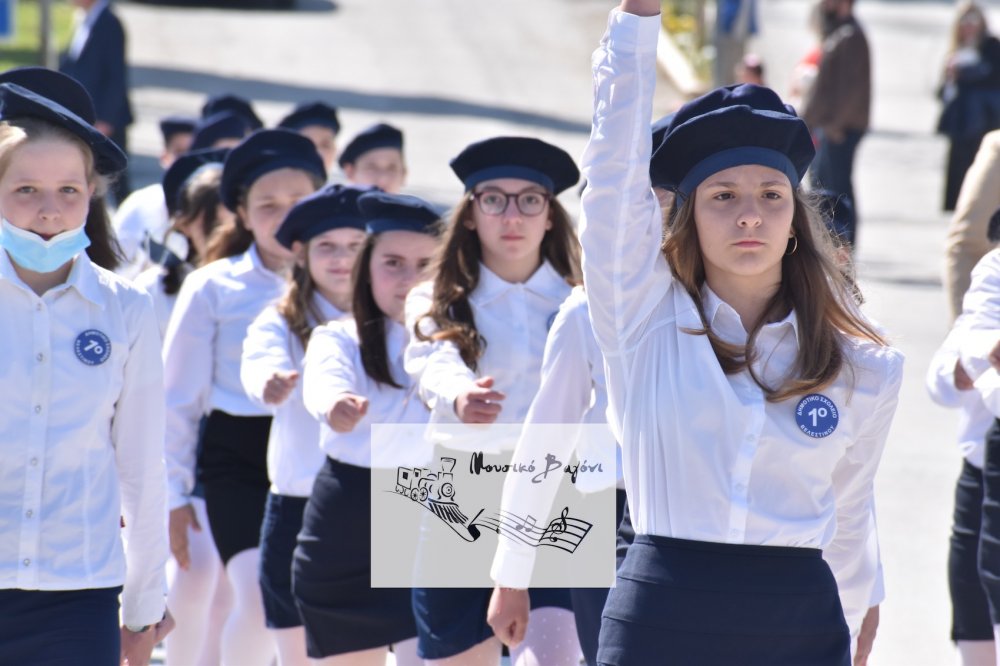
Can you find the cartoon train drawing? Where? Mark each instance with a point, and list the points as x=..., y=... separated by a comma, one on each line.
x=419, y=483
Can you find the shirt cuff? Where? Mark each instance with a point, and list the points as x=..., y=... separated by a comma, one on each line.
x=512, y=567
x=630, y=32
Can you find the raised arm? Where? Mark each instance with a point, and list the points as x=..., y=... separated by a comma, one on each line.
x=625, y=273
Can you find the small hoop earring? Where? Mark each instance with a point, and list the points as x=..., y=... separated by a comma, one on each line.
x=794, y=247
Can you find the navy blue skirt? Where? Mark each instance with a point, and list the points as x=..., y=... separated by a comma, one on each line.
x=278, y=536
x=232, y=467
x=57, y=628
x=453, y=619
x=693, y=602
x=331, y=570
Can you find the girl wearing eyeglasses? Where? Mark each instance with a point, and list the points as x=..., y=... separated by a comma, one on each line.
x=509, y=260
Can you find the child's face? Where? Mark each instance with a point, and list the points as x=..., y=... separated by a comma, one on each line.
x=400, y=259
x=381, y=167
x=325, y=140
x=44, y=189
x=178, y=144
x=268, y=201
x=511, y=235
x=331, y=257
x=744, y=220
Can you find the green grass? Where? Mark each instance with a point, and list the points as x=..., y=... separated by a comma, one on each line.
x=24, y=48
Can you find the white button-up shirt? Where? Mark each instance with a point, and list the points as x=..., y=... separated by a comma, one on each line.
x=572, y=390
x=143, y=215
x=293, y=453
x=706, y=456
x=514, y=319
x=81, y=439
x=202, y=353
x=980, y=326
x=333, y=367
x=974, y=418
x=151, y=281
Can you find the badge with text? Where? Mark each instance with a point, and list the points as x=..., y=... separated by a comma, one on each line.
x=92, y=347
x=816, y=415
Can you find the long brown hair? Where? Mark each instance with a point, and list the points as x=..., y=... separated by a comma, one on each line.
x=104, y=249
x=297, y=306
x=199, y=201
x=457, y=276
x=369, y=319
x=812, y=285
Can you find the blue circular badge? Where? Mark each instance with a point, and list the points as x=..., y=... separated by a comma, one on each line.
x=92, y=347
x=816, y=415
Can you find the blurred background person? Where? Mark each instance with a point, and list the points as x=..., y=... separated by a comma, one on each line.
x=970, y=93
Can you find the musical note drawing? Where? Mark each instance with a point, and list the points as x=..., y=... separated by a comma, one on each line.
x=527, y=525
x=558, y=526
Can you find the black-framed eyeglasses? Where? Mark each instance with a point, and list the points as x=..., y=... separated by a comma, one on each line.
x=495, y=202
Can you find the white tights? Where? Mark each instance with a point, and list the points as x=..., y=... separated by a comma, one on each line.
x=977, y=653
x=199, y=599
x=291, y=646
x=550, y=641
x=245, y=638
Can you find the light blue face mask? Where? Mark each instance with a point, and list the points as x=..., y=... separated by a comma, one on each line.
x=29, y=251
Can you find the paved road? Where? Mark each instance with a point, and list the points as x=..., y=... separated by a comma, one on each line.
x=452, y=71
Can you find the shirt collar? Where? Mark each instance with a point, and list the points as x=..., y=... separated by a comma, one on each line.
x=724, y=320
x=250, y=261
x=327, y=310
x=545, y=282
x=91, y=16
x=82, y=277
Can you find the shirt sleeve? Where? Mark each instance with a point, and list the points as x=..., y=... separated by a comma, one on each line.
x=853, y=554
x=329, y=369
x=266, y=350
x=625, y=272
x=188, y=365
x=563, y=398
x=435, y=366
x=940, y=379
x=137, y=435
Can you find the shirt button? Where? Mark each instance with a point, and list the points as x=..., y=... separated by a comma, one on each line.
x=26, y=562
x=29, y=513
x=38, y=306
x=38, y=409
x=40, y=357
x=734, y=533
x=34, y=462
x=740, y=488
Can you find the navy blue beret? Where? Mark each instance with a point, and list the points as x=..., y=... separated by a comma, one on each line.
x=234, y=104
x=170, y=126
x=731, y=126
x=218, y=126
x=60, y=88
x=659, y=129
x=376, y=136
x=18, y=102
x=398, y=212
x=183, y=169
x=262, y=152
x=332, y=207
x=311, y=113
x=516, y=157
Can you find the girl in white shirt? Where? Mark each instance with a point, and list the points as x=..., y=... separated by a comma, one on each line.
x=262, y=179
x=81, y=423
x=508, y=261
x=198, y=591
x=325, y=231
x=354, y=378
x=752, y=400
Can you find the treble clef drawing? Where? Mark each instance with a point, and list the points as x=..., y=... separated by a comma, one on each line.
x=558, y=525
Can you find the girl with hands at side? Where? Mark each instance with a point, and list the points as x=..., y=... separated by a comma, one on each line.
x=215, y=431
x=82, y=492
x=325, y=232
x=354, y=378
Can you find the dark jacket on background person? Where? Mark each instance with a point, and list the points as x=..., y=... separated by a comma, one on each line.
x=101, y=69
x=841, y=95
